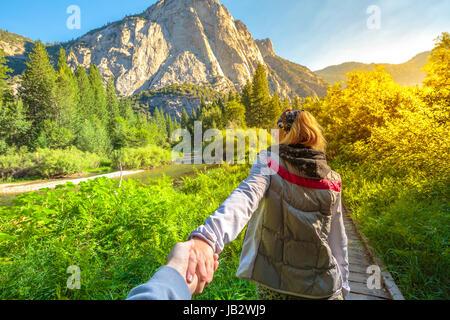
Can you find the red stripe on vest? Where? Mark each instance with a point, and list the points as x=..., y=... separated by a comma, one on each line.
x=322, y=184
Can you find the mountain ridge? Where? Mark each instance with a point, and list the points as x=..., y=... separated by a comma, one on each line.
x=302, y=81
x=408, y=73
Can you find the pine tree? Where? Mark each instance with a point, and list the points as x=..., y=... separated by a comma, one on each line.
x=4, y=70
x=246, y=99
x=274, y=111
x=221, y=105
x=98, y=88
x=184, y=119
x=170, y=125
x=86, y=102
x=160, y=122
x=176, y=124
x=260, y=98
x=126, y=109
x=111, y=99
x=297, y=105
x=38, y=89
x=231, y=96
x=193, y=117
x=67, y=93
x=14, y=128
x=286, y=104
x=202, y=105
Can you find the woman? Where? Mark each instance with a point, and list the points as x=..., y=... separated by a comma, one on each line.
x=295, y=245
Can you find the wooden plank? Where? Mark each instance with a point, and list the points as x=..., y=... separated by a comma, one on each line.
x=361, y=288
x=358, y=254
x=358, y=268
x=356, y=296
x=358, y=277
x=350, y=227
x=352, y=234
x=357, y=246
x=353, y=237
x=352, y=242
x=358, y=251
x=352, y=259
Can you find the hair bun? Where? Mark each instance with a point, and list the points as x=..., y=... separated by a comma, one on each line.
x=287, y=119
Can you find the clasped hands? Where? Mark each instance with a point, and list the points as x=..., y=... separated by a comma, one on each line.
x=196, y=261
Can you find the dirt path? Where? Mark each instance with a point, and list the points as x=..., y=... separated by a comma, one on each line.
x=22, y=187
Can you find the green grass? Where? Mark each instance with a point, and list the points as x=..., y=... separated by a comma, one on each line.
x=100, y=170
x=407, y=221
x=118, y=237
x=18, y=180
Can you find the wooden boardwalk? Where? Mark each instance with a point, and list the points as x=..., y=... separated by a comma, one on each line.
x=361, y=256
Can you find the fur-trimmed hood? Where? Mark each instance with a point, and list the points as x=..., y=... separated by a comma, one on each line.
x=309, y=162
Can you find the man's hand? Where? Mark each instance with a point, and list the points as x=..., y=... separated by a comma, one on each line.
x=182, y=256
x=203, y=263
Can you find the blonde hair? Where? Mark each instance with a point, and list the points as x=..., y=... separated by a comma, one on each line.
x=306, y=131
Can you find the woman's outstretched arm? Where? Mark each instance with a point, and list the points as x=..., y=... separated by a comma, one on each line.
x=229, y=220
x=231, y=217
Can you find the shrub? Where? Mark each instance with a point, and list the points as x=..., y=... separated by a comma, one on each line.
x=46, y=163
x=58, y=163
x=141, y=158
x=16, y=163
x=412, y=144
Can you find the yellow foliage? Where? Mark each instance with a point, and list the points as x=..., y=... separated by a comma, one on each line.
x=391, y=128
x=411, y=144
x=370, y=100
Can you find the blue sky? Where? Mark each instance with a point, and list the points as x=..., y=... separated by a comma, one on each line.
x=315, y=33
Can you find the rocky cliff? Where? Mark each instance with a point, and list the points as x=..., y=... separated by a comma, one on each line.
x=297, y=79
x=173, y=42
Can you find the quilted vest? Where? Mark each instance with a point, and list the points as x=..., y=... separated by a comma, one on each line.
x=285, y=247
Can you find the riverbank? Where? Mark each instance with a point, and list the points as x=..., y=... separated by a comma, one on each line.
x=9, y=191
x=22, y=187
